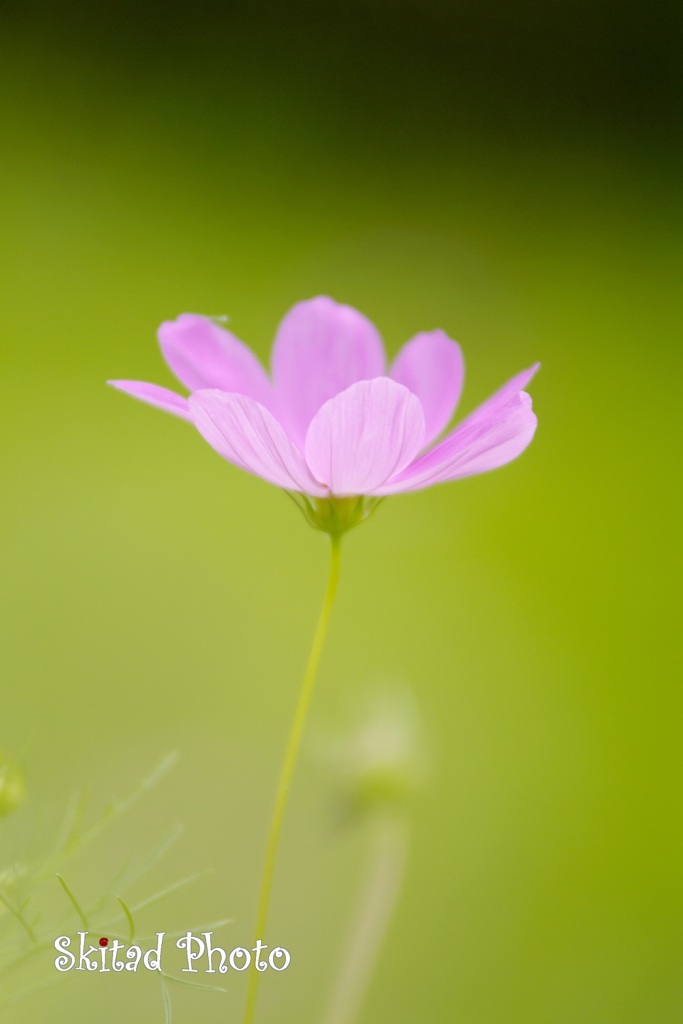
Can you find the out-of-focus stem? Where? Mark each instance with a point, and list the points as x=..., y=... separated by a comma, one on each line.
x=378, y=897
x=288, y=764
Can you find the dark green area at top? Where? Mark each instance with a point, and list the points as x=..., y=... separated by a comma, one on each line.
x=400, y=70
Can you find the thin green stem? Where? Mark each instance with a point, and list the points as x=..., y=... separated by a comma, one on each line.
x=378, y=899
x=288, y=764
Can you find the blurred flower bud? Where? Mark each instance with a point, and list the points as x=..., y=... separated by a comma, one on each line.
x=379, y=764
x=12, y=788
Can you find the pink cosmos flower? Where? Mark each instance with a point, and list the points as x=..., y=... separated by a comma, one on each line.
x=331, y=422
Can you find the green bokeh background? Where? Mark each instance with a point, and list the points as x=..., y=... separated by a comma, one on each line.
x=510, y=174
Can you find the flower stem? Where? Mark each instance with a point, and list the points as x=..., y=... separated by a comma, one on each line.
x=378, y=898
x=288, y=764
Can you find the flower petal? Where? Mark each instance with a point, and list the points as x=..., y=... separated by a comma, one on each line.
x=204, y=355
x=495, y=433
x=162, y=398
x=320, y=349
x=245, y=433
x=364, y=436
x=431, y=366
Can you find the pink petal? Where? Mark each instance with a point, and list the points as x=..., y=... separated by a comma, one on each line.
x=245, y=433
x=364, y=436
x=495, y=433
x=431, y=366
x=204, y=355
x=162, y=398
x=321, y=348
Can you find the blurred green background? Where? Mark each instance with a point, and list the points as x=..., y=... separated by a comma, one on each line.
x=511, y=174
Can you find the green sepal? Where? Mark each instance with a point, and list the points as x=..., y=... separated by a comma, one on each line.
x=335, y=515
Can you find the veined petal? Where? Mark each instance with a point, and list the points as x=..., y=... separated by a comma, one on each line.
x=204, y=355
x=162, y=398
x=495, y=433
x=431, y=366
x=364, y=436
x=320, y=349
x=245, y=433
